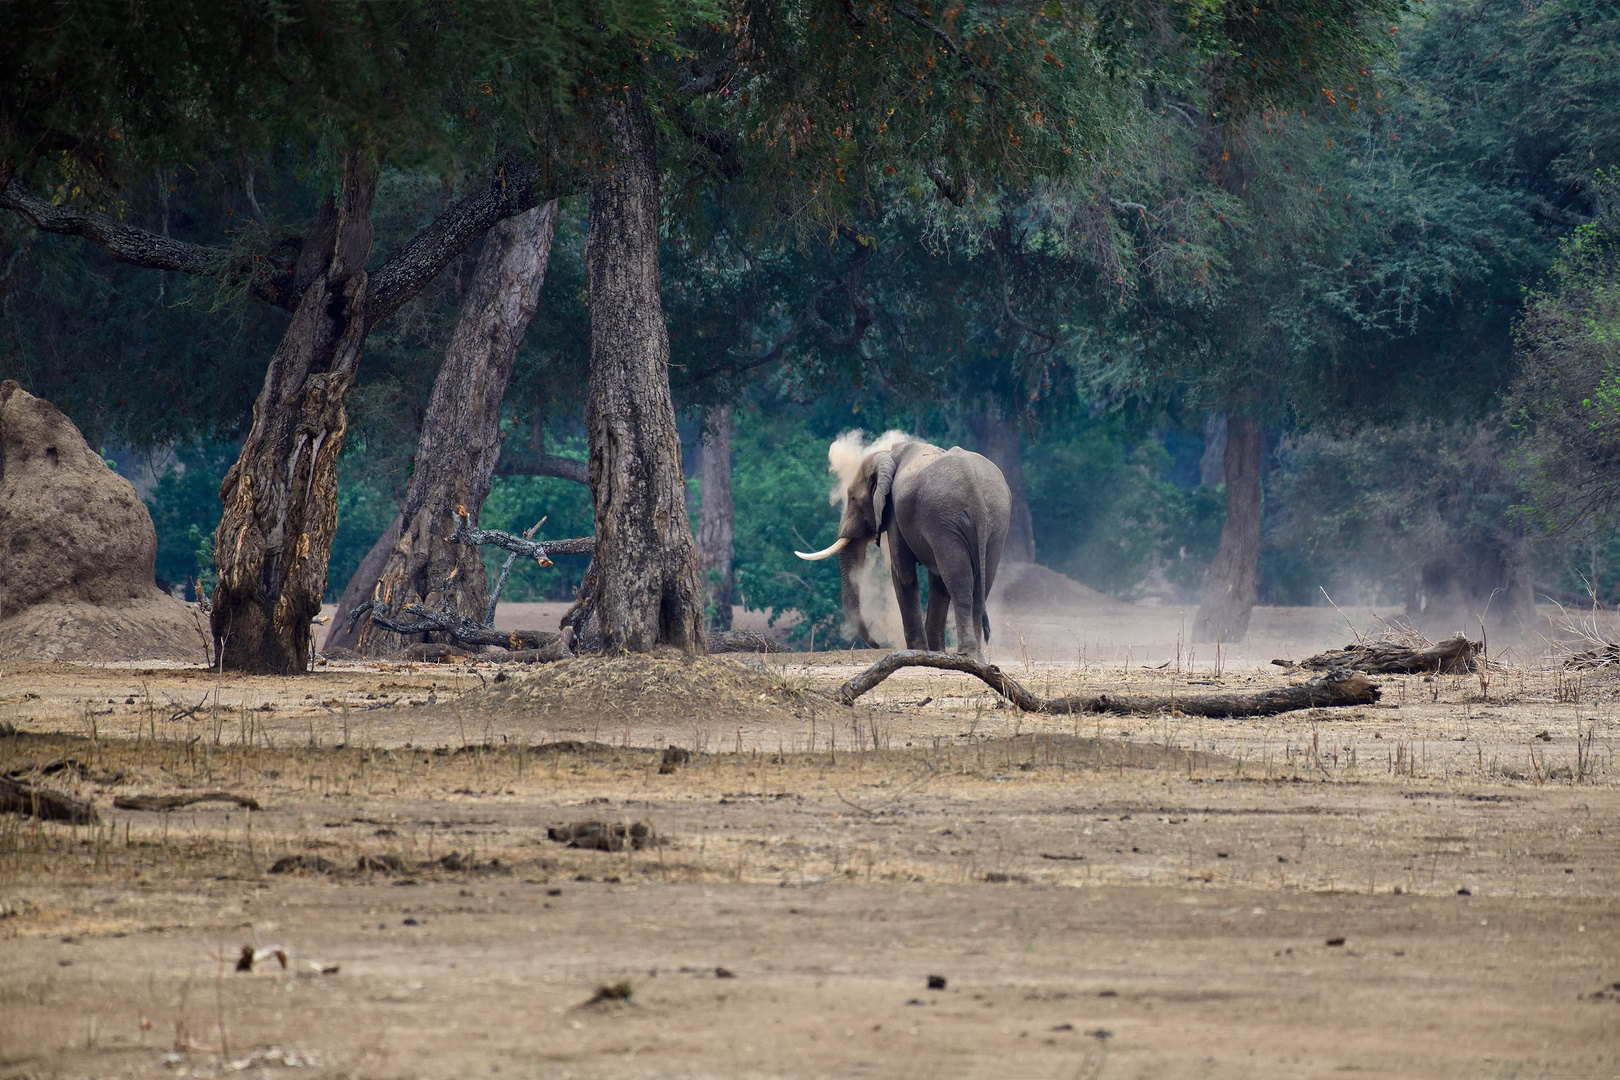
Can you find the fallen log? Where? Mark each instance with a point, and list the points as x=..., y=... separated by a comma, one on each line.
x=46, y=804
x=176, y=802
x=1595, y=658
x=423, y=621
x=1340, y=686
x=1458, y=656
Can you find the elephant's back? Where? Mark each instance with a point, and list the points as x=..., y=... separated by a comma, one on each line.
x=972, y=480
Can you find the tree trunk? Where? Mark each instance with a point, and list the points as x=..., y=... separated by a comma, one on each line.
x=1211, y=465
x=360, y=589
x=1001, y=441
x=648, y=590
x=461, y=431
x=1230, y=588
x=281, y=495
x=717, y=518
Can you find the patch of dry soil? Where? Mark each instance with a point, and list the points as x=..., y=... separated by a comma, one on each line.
x=1420, y=889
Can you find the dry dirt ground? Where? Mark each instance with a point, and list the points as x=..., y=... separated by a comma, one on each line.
x=1426, y=887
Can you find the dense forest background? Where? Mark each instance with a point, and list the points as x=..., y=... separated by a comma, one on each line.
x=1411, y=290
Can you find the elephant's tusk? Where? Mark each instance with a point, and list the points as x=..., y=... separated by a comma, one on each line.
x=838, y=545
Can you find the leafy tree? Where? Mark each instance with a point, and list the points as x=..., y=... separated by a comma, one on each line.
x=1567, y=397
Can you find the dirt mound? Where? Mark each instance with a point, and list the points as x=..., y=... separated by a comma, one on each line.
x=78, y=549
x=1035, y=589
x=644, y=693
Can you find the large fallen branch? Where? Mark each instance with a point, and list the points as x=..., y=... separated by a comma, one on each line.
x=1455, y=657
x=46, y=804
x=176, y=802
x=1341, y=686
x=549, y=646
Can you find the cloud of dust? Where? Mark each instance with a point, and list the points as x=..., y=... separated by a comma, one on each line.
x=846, y=453
x=872, y=582
x=878, y=606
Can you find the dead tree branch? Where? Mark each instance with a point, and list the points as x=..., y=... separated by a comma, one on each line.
x=176, y=802
x=1455, y=657
x=532, y=549
x=424, y=621
x=1341, y=686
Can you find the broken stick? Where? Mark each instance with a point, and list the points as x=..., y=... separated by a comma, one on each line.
x=1341, y=686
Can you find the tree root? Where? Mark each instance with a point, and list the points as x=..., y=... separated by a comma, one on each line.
x=1340, y=686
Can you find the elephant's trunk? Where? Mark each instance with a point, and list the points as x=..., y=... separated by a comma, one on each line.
x=849, y=565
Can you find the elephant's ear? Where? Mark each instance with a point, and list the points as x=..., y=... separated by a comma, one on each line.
x=881, y=483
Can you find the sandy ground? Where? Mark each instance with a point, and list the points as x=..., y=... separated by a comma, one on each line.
x=1425, y=887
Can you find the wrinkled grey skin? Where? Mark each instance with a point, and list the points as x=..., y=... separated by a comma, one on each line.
x=945, y=509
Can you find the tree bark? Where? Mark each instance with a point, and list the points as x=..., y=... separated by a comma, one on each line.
x=1231, y=585
x=717, y=518
x=359, y=590
x=1001, y=441
x=1211, y=466
x=461, y=432
x=648, y=587
x=280, y=497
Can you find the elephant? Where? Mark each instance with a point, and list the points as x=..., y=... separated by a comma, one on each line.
x=946, y=509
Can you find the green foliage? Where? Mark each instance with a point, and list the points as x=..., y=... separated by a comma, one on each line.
x=779, y=486
x=1567, y=397
x=1370, y=512
x=184, y=504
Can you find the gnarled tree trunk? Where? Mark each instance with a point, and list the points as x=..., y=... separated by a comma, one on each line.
x=1000, y=440
x=717, y=518
x=461, y=431
x=1231, y=585
x=648, y=590
x=281, y=495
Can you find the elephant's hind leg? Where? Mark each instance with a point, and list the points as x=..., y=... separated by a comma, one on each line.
x=939, y=602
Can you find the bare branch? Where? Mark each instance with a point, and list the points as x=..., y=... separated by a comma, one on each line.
x=510, y=191
x=271, y=281
x=515, y=463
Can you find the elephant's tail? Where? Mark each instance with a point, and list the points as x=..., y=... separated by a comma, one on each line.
x=976, y=552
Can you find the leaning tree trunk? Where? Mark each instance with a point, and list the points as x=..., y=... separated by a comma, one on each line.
x=717, y=518
x=1001, y=440
x=461, y=431
x=648, y=590
x=359, y=589
x=1231, y=585
x=281, y=495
